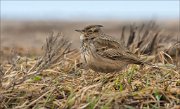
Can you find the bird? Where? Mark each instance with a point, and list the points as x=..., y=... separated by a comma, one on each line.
x=102, y=53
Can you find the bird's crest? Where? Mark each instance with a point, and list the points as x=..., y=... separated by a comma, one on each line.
x=90, y=29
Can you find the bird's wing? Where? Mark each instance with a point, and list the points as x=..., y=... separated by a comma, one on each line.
x=108, y=41
x=114, y=54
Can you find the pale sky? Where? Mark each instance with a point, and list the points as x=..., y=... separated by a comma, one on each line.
x=89, y=10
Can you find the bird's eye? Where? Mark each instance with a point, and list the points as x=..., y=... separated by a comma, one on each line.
x=96, y=30
x=92, y=38
x=90, y=31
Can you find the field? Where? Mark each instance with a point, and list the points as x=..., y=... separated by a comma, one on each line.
x=39, y=67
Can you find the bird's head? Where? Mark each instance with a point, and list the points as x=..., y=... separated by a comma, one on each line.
x=89, y=31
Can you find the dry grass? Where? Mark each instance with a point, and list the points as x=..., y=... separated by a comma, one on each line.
x=54, y=81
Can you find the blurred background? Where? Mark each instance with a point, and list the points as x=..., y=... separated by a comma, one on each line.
x=26, y=24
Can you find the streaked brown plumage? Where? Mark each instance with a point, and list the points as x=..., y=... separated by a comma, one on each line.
x=102, y=53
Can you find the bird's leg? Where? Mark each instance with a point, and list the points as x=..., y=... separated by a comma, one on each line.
x=83, y=76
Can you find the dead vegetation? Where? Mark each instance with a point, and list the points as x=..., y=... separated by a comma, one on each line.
x=54, y=81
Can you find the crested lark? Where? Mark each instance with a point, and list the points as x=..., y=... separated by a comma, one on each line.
x=102, y=53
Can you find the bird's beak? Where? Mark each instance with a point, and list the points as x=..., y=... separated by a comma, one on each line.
x=79, y=31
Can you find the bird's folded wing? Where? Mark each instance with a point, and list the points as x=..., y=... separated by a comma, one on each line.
x=108, y=41
x=114, y=54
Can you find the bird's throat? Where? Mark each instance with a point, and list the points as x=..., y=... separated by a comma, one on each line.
x=82, y=37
